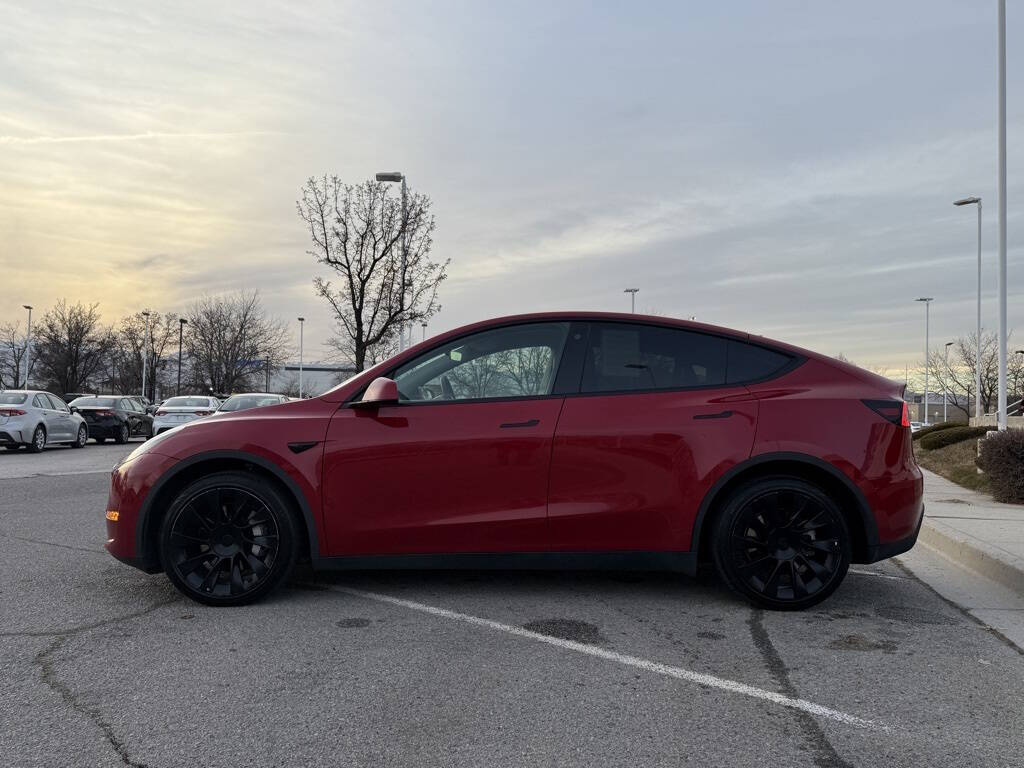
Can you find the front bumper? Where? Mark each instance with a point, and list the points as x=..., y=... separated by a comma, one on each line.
x=130, y=483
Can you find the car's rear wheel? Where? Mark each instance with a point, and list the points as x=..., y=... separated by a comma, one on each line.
x=82, y=439
x=782, y=543
x=228, y=539
x=38, y=440
x=122, y=435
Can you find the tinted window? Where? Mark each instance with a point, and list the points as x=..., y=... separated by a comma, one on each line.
x=517, y=361
x=58, y=404
x=12, y=398
x=622, y=357
x=101, y=402
x=749, y=362
x=187, y=402
x=40, y=401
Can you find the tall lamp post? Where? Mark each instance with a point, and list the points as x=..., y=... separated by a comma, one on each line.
x=632, y=298
x=424, y=327
x=396, y=176
x=182, y=322
x=1016, y=382
x=302, y=326
x=145, y=353
x=977, y=351
x=927, y=304
x=28, y=342
x=1001, y=419
x=945, y=384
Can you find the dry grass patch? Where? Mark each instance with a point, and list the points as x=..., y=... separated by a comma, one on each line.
x=955, y=462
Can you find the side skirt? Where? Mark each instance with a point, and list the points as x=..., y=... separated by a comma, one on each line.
x=679, y=562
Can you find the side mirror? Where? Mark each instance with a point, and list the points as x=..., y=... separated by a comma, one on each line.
x=380, y=392
x=74, y=409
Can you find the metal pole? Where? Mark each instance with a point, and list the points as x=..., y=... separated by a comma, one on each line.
x=977, y=351
x=1002, y=215
x=181, y=332
x=302, y=324
x=268, y=376
x=927, y=307
x=632, y=298
x=28, y=343
x=145, y=354
x=405, y=245
x=945, y=385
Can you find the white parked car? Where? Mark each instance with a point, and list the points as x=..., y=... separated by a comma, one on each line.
x=37, y=419
x=175, y=411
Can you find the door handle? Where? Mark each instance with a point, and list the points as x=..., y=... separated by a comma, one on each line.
x=514, y=424
x=722, y=415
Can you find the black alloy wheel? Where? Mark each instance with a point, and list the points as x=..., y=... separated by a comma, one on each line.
x=82, y=439
x=228, y=539
x=38, y=440
x=122, y=434
x=782, y=543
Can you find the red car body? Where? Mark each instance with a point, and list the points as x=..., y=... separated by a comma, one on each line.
x=629, y=479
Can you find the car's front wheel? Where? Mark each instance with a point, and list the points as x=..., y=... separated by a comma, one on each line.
x=782, y=543
x=228, y=539
x=82, y=439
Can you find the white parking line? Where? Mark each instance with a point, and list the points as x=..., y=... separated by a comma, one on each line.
x=859, y=572
x=679, y=673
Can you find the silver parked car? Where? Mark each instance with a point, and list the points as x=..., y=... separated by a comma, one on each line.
x=37, y=419
x=247, y=400
x=175, y=411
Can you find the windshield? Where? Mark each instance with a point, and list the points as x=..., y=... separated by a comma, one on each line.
x=245, y=402
x=12, y=398
x=186, y=402
x=99, y=402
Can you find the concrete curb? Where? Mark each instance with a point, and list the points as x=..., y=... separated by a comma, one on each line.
x=973, y=554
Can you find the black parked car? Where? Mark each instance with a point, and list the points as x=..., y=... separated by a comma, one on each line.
x=114, y=417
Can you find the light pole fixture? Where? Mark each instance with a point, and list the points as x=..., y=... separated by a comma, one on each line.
x=182, y=322
x=632, y=298
x=302, y=326
x=28, y=342
x=977, y=351
x=396, y=176
x=424, y=327
x=1001, y=203
x=927, y=304
x=945, y=384
x=145, y=353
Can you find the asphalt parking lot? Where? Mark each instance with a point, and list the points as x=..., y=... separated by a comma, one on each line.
x=106, y=666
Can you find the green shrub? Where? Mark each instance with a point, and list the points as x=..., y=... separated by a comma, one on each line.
x=945, y=437
x=1002, y=459
x=936, y=428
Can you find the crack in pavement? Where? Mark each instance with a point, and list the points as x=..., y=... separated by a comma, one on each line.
x=825, y=754
x=47, y=663
x=53, y=544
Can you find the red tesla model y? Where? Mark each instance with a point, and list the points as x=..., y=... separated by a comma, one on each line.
x=577, y=440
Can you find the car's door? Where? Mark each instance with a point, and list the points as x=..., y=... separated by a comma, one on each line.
x=68, y=430
x=461, y=463
x=50, y=417
x=129, y=412
x=657, y=421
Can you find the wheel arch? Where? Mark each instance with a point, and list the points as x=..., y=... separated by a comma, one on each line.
x=184, y=472
x=858, y=514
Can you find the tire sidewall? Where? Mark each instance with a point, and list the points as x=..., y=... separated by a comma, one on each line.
x=33, y=446
x=79, y=441
x=722, y=532
x=288, y=532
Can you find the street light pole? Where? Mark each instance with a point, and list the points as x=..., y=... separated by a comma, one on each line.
x=1001, y=419
x=424, y=327
x=182, y=322
x=399, y=176
x=977, y=351
x=927, y=304
x=632, y=298
x=302, y=326
x=945, y=385
x=145, y=353
x=28, y=342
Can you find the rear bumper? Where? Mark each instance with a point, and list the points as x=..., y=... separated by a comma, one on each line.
x=103, y=429
x=11, y=437
x=897, y=547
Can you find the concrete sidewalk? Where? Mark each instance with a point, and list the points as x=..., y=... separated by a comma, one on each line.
x=974, y=531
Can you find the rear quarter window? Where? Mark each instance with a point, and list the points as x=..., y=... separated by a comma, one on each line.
x=750, y=362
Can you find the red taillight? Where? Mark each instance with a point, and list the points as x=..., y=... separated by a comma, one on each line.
x=203, y=413
x=104, y=413
x=161, y=413
x=893, y=411
x=11, y=412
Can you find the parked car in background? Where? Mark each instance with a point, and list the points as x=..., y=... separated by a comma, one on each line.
x=916, y=425
x=145, y=402
x=548, y=440
x=243, y=402
x=37, y=419
x=113, y=417
x=69, y=396
x=175, y=411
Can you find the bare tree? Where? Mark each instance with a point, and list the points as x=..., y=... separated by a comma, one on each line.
x=958, y=377
x=71, y=346
x=13, y=344
x=130, y=337
x=358, y=231
x=231, y=342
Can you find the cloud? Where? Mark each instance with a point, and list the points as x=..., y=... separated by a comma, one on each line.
x=147, y=136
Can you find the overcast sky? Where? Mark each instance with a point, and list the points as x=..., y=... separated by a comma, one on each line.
x=785, y=168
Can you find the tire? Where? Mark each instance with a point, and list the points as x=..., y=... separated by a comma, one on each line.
x=217, y=556
x=38, y=443
x=781, y=543
x=83, y=437
x=123, y=433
